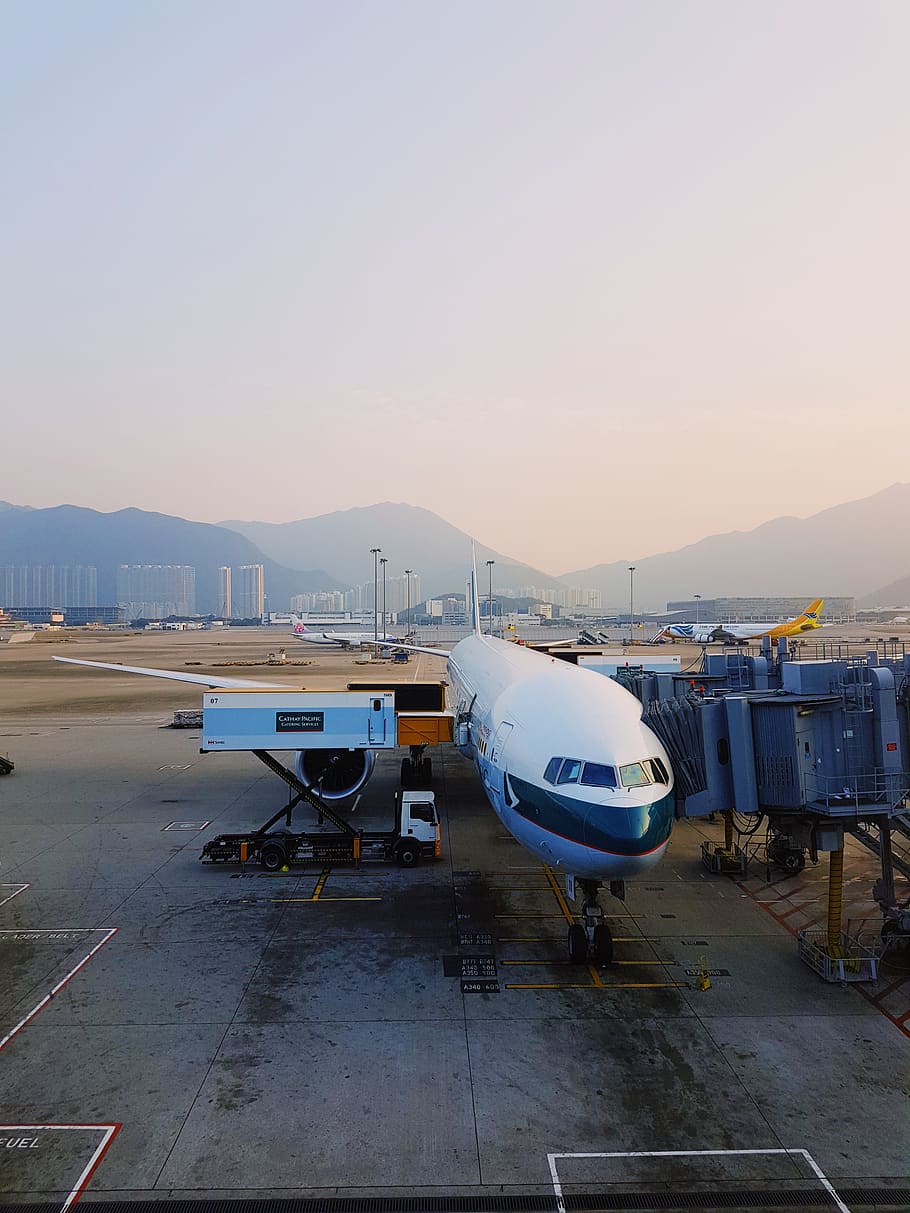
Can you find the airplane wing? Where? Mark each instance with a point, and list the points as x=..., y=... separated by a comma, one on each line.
x=414, y=648
x=204, y=680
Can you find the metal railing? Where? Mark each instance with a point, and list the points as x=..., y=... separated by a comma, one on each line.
x=874, y=794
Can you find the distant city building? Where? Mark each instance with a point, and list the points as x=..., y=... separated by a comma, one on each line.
x=322, y=601
x=249, y=592
x=360, y=598
x=761, y=610
x=155, y=591
x=225, y=600
x=61, y=585
x=72, y=616
x=570, y=598
x=448, y=611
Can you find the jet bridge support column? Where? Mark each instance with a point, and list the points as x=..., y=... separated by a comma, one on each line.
x=835, y=900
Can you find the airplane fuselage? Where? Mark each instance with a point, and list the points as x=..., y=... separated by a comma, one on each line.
x=605, y=816
x=343, y=639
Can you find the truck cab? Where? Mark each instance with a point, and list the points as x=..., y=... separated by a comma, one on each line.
x=418, y=828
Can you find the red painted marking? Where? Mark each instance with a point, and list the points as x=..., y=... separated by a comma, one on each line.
x=112, y=931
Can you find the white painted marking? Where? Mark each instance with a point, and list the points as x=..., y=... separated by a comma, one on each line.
x=185, y=825
x=18, y=888
x=557, y=1186
x=109, y=1131
x=176, y=767
x=109, y=934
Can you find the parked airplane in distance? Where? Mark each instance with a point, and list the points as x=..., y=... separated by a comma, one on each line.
x=346, y=640
x=563, y=757
x=710, y=633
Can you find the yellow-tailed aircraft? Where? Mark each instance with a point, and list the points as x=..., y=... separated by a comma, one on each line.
x=708, y=633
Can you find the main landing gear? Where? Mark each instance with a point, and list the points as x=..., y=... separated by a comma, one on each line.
x=590, y=940
x=417, y=770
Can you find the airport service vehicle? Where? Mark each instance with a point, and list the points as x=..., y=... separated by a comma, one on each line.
x=414, y=835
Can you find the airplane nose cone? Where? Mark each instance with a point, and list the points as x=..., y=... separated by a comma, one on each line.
x=634, y=830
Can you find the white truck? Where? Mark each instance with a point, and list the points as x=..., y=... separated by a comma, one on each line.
x=415, y=836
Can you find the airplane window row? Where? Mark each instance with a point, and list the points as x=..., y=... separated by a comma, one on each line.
x=600, y=775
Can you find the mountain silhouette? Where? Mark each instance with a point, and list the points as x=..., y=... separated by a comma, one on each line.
x=69, y=534
x=410, y=538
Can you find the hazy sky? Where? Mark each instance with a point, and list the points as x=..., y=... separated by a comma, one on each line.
x=589, y=280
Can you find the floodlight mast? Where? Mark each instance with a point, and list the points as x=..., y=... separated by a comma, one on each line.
x=375, y=552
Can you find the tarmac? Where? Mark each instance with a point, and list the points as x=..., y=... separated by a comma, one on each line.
x=177, y=1031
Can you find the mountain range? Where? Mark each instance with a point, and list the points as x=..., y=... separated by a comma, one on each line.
x=69, y=534
x=410, y=537
x=850, y=549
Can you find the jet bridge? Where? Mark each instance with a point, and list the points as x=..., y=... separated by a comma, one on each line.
x=812, y=748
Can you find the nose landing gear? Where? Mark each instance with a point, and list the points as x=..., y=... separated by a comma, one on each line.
x=591, y=940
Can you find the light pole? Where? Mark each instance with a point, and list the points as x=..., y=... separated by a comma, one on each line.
x=407, y=576
x=631, y=600
x=375, y=552
x=383, y=561
x=490, y=564
x=697, y=598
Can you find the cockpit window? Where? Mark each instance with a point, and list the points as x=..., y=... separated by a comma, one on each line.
x=659, y=771
x=598, y=775
x=633, y=775
x=640, y=774
x=552, y=770
x=571, y=769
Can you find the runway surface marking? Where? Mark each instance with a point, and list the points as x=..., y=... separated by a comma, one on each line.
x=108, y=933
x=790, y=901
x=567, y=915
x=109, y=1132
x=557, y=1185
x=317, y=894
x=17, y=889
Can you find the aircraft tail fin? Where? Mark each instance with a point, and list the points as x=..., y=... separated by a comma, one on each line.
x=810, y=617
x=806, y=622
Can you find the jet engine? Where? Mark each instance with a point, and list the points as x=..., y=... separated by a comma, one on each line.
x=335, y=773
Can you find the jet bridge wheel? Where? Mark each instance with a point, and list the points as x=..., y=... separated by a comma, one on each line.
x=578, y=944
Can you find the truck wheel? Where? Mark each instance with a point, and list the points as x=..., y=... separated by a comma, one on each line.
x=273, y=856
x=407, y=853
x=426, y=774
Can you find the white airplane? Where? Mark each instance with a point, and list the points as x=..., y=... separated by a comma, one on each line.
x=567, y=764
x=709, y=633
x=563, y=756
x=346, y=640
